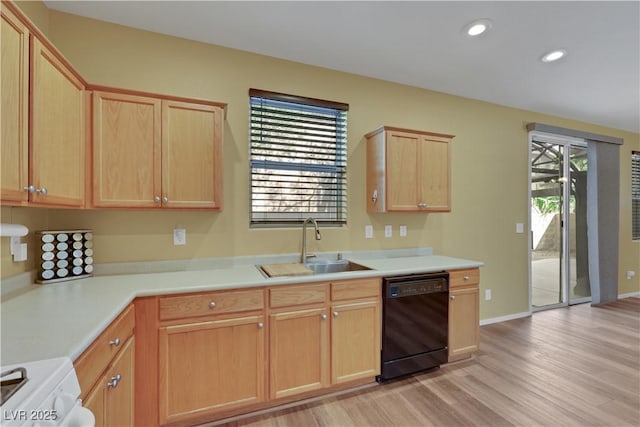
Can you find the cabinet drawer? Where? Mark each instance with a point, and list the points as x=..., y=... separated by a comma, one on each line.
x=95, y=359
x=358, y=288
x=466, y=277
x=210, y=303
x=297, y=295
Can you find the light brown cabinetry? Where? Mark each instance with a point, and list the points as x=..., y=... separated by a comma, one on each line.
x=106, y=373
x=150, y=152
x=464, y=313
x=314, y=346
x=14, y=107
x=408, y=171
x=43, y=120
x=355, y=330
x=298, y=339
x=209, y=365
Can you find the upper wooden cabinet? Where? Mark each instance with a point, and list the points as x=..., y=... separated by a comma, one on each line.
x=150, y=152
x=408, y=171
x=46, y=167
x=14, y=107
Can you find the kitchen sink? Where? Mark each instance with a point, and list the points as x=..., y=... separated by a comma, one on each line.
x=333, y=266
x=314, y=267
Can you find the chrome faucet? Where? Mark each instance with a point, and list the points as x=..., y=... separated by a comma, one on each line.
x=303, y=255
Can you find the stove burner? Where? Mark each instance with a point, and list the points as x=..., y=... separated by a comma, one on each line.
x=9, y=386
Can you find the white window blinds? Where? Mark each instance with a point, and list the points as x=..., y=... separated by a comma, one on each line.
x=635, y=195
x=298, y=159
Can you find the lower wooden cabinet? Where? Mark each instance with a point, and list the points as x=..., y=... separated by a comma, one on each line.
x=112, y=398
x=464, y=313
x=210, y=366
x=299, y=351
x=355, y=341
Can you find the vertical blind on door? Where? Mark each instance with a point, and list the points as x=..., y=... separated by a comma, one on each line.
x=635, y=194
x=298, y=158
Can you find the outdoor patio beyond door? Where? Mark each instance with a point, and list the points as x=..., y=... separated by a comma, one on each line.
x=559, y=250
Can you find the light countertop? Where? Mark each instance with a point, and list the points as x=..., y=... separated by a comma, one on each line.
x=62, y=319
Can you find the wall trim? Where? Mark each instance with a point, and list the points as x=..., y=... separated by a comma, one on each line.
x=500, y=319
x=629, y=295
x=541, y=127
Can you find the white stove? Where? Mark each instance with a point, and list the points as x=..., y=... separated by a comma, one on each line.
x=42, y=393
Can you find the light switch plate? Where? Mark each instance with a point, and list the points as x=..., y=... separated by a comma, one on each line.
x=179, y=236
x=403, y=231
x=388, y=231
x=368, y=231
x=519, y=228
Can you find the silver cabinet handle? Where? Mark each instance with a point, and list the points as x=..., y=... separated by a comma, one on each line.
x=324, y=316
x=30, y=189
x=422, y=205
x=115, y=342
x=260, y=325
x=336, y=314
x=156, y=199
x=466, y=278
x=114, y=381
x=212, y=304
x=453, y=297
x=42, y=191
x=165, y=199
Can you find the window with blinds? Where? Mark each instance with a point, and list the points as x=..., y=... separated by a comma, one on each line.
x=298, y=159
x=635, y=195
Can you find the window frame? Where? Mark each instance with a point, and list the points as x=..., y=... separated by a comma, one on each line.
x=334, y=169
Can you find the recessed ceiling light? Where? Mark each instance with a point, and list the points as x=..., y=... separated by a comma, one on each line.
x=477, y=27
x=554, y=55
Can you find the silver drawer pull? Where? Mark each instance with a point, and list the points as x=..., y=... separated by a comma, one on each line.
x=323, y=316
x=114, y=381
x=156, y=199
x=42, y=191
x=336, y=314
x=115, y=342
x=260, y=325
x=30, y=189
x=466, y=277
x=212, y=304
x=453, y=297
x=422, y=205
x=165, y=199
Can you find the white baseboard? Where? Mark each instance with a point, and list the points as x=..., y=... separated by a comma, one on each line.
x=629, y=295
x=505, y=318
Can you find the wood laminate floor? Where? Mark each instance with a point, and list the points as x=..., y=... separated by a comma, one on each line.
x=577, y=366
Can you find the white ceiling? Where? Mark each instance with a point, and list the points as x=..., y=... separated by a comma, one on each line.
x=421, y=43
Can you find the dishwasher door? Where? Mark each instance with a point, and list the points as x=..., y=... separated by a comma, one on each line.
x=415, y=323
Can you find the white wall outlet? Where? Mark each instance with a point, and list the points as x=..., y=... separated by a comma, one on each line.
x=368, y=231
x=388, y=231
x=519, y=228
x=403, y=231
x=179, y=236
x=487, y=294
x=630, y=274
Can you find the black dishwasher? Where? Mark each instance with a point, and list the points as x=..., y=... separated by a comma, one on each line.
x=415, y=321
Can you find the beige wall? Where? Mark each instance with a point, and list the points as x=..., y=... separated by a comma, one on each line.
x=489, y=152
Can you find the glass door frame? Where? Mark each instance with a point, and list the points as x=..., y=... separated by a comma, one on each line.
x=565, y=278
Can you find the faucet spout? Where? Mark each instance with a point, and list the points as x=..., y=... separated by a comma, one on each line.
x=303, y=255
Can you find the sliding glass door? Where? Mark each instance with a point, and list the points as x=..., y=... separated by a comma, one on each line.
x=558, y=253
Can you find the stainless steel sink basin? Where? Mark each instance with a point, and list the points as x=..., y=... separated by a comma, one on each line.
x=335, y=266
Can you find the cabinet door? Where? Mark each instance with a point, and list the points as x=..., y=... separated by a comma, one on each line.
x=355, y=341
x=434, y=174
x=191, y=155
x=126, y=151
x=402, y=171
x=119, y=399
x=57, y=146
x=464, y=314
x=95, y=402
x=210, y=366
x=14, y=108
x=299, y=356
